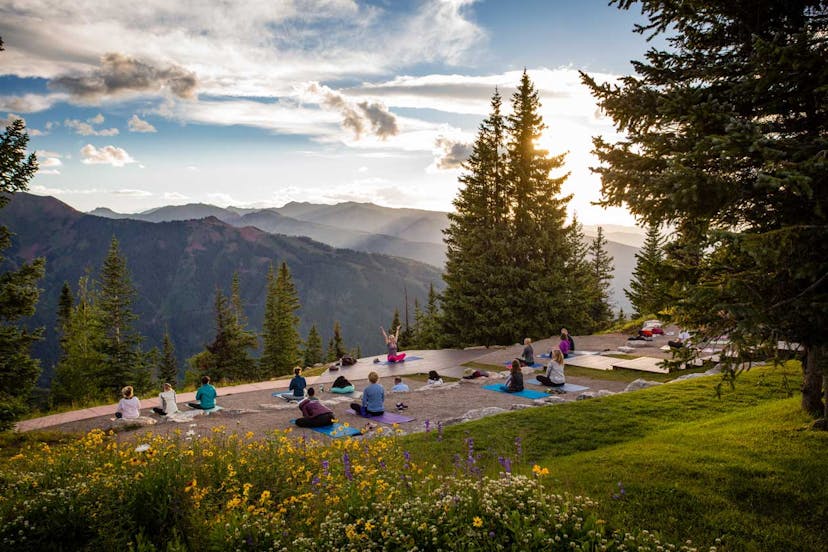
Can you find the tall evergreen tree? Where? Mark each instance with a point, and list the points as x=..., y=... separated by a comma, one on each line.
x=79, y=372
x=122, y=346
x=430, y=334
x=313, y=347
x=281, y=327
x=538, y=242
x=579, y=289
x=229, y=357
x=724, y=139
x=168, y=366
x=601, y=269
x=18, y=288
x=477, y=240
x=395, y=323
x=336, y=345
x=646, y=292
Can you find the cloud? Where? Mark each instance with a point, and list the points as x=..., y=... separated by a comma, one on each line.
x=120, y=75
x=9, y=119
x=86, y=129
x=30, y=103
x=175, y=196
x=132, y=193
x=107, y=155
x=137, y=124
x=48, y=162
x=451, y=153
x=358, y=117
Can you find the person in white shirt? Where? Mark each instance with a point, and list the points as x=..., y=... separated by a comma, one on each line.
x=129, y=407
x=554, y=376
x=682, y=341
x=168, y=404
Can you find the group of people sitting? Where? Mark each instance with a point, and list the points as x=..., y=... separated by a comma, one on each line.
x=129, y=407
x=554, y=374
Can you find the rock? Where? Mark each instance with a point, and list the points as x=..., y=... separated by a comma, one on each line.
x=549, y=400
x=688, y=377
x=604, y=393
x=586, y=395
x=120, y=424
x=475, y=415
x=635, y=385
x=521, y=406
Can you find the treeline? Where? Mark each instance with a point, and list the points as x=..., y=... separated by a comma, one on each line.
x=101, y=351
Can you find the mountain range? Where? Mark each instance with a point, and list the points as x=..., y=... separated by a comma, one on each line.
x=410, y=233
x=176, y=266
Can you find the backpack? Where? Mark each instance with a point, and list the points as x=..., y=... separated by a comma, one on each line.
x=348, y=360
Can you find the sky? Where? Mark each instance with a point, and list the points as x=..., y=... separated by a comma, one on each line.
x=135, y=105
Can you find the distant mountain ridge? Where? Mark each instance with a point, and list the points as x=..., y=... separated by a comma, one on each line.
x=409, y=233
x=177, y=265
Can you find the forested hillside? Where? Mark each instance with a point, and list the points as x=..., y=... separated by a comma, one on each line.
x=176, y=267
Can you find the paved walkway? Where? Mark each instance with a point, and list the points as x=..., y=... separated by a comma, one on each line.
x=447, y=362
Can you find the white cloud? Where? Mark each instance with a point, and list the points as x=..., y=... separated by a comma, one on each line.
x=107, y=155
x=451, y=153
x=49, y=162
x=175, y=197
x=132, y=193
x=86, y=129
x=96, y=120
x=30, y=103
x=48, y=171
x=136, y=124
x=359, y=117
x=262, y=49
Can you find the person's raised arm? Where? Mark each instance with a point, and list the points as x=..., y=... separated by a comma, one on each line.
x=384, y=335
x=397, y=334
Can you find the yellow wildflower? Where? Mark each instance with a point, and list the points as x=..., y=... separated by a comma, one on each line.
x=477, y=522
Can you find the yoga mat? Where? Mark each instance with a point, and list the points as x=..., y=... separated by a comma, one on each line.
x=334, y=430
x=526, y=393
x=407, y=359
x=386, y=418
x=568, y=387
x=288, y=396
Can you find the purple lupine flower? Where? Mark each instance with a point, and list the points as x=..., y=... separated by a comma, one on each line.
x=346, y=464
x=508, y=465
x=456, y=461
x=325, y=466
x=382, y=464
x=427, y=424
x=407, y=456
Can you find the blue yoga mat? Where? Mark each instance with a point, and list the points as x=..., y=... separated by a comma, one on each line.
x=334, y=430
x=407, y=359
x=526, y=393
x=567, y=387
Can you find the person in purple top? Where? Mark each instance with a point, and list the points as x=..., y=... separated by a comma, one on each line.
x=564, y=345
x=314, y=413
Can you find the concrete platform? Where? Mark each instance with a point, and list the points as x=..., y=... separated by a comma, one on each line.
x=643, y=364
x=595, y=362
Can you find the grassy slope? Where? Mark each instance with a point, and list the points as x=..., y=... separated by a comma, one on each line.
x=693, y=466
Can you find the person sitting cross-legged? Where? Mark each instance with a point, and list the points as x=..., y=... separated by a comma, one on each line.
x=554, y=376
x=373, y=398
x=514, y=383
x=167, y=398
x=314, y=413
x=206, y=396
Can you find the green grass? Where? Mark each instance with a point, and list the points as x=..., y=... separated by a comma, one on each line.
x=692, y=466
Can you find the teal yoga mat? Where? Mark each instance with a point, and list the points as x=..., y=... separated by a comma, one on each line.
x=526, y=393
x=334, y=430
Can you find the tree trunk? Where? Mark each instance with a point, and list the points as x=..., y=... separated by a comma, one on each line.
x=812, y=381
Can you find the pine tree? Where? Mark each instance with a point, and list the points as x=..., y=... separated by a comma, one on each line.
x=64, y=314
x=395, y=323
x=601, y=266
x=537, y=242
x=416, y=338
x=282, y=343
x=80, y=370
x=646, y=292
x=336, y=345
x=168, y=366
x=477, y=241
x=313, y=347
x=430, y=336
x=577, y=296
x=18, y=289
x=724, y=139
x=122, y=346
x=270, y=328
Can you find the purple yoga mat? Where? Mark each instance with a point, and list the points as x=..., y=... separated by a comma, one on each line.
x=386, y=418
